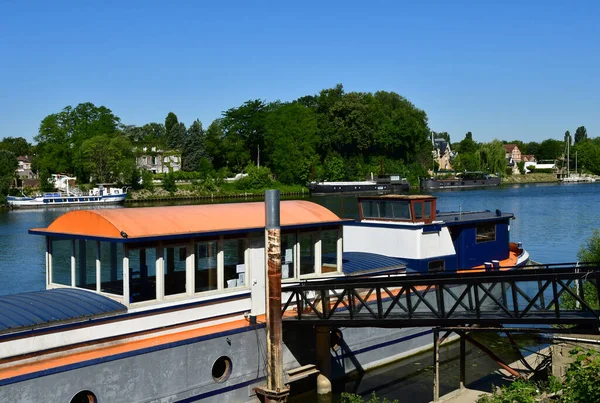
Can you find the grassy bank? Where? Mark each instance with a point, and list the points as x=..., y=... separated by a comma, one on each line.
x=530, y=178
x=225, y=191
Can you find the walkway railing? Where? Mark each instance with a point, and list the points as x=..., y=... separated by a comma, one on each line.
x=542, y=294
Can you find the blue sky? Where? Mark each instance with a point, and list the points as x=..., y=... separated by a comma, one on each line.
x=526, y=70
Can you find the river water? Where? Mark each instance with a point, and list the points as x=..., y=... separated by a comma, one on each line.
x=552, y=221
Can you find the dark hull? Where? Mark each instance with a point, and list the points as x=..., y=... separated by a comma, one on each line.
x=327, y=188
x=457, y=183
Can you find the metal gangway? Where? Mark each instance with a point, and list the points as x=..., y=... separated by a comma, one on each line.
x=550, y=294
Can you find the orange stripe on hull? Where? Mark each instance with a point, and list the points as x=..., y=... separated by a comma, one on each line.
x=125, y=347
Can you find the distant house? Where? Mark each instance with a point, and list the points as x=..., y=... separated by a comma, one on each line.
x=529, y=158
x=442, y=154
x=512, y=150
x=158, y=161
x=24, y=171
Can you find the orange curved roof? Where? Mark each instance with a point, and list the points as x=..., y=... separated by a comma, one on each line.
x=179, y=220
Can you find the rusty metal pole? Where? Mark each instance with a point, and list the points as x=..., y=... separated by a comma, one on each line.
x=436, y=365
x=276, y=390
x=463, y=353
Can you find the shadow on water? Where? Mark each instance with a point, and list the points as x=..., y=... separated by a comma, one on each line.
x=411, y=379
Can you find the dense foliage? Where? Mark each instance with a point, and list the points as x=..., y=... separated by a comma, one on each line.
x=332, y=135
x=581, y=384
x=8, y=164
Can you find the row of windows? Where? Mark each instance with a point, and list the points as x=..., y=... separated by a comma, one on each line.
x=396, y=209
x=156, y=272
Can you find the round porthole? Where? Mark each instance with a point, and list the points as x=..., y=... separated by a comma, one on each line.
x=85, y=396
x=221, y=369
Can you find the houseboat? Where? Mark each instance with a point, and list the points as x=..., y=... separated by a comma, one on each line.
x=379, y=185
x=67, y=195
x=168, y=303
x=461, y=180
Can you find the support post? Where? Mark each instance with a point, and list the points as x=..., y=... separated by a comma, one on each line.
x=436, y=365
x=323, y=362
x=275, y=390
x=463, y=353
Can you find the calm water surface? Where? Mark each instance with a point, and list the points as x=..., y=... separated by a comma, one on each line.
x=552, y=221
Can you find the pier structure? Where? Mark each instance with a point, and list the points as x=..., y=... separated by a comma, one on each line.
x=521, y=298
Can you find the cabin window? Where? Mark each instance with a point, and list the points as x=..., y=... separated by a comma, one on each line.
x=288, y=255
x=62, y=250
x=370, y=209
x=111, y=268
x=436, y=266
x=307, y=252
x=175, y=269
x=402, y=210
x=85, y=264
x=234, y=262
x=486, y=233
x=329, y=242
x=142, y=268
x=206, y=266
x=418, y=207
x=427, y=210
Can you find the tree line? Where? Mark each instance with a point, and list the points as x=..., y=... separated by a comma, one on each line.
x=333, y=135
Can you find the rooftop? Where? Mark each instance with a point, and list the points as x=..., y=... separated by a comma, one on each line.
x=130, y=224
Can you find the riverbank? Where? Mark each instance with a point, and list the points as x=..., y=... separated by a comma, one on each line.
x=186, y=192
x=530, y=178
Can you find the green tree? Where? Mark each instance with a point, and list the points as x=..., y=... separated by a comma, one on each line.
x=46, y=184
x=61, y=135
x=533, y=148
x=194, y=150
x=580, y=134
x=8, y=165
x=588, y=155
x=177, y=136
x=466, y=162
x=550, y=150
x=291, y=141
x=568, y=138
x=170, y=121
x=214, y=144
x=245, y=125
x=333, y=167
x=106, y=158
x=468, y=145
x=16, y=145
x=493, y=157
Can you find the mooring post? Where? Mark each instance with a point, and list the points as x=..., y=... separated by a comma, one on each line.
x=276, y=390
x=323, y=346
x=436, y=365
x=463, y=353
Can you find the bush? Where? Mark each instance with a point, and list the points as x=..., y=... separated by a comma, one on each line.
x=509, y=171
x=169, y=184
x=258, y=178
x=147, y=181
x=353, y=398
x=521, y=165
x=582, y=380
x=582, y=384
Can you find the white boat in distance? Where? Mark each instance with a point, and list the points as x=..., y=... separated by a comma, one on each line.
x=67, y=196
